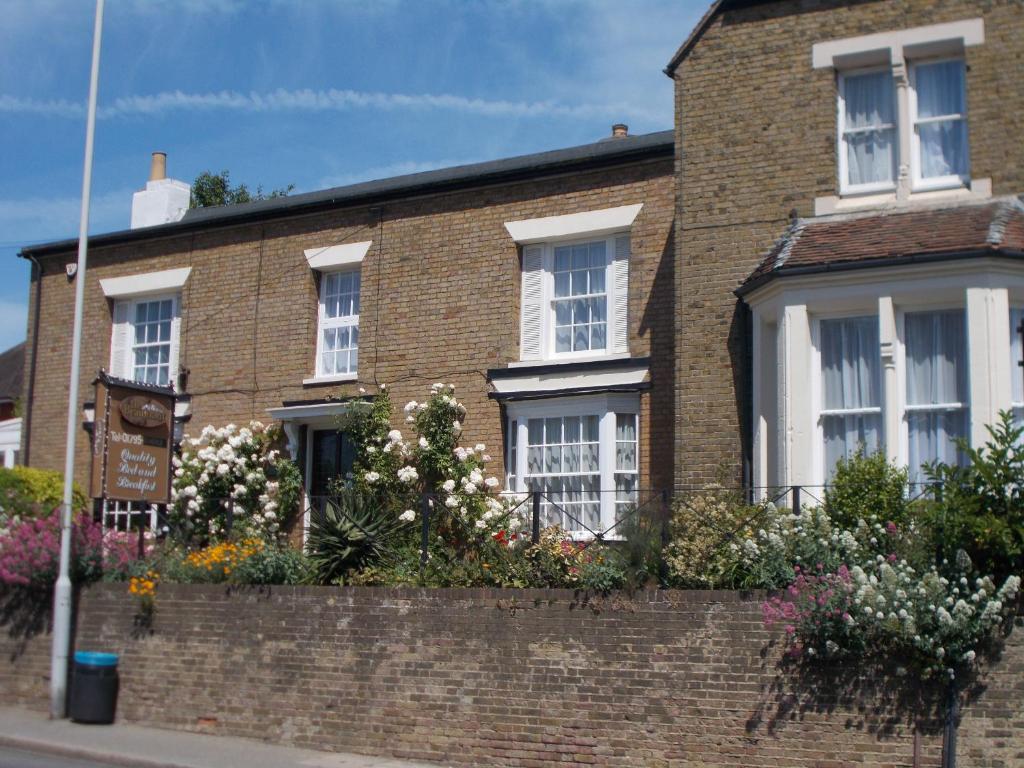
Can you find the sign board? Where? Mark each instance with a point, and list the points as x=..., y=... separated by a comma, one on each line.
x=132, y=441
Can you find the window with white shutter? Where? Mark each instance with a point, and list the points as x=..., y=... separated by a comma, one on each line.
x=145, y=338
x=575, y=299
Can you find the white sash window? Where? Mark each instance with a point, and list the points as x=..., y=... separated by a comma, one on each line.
x=936, y=373
x=938, y=103
x=851, y=417
x=1016, y=371
x=338, y=338
x=145, y=337
x=867, y=115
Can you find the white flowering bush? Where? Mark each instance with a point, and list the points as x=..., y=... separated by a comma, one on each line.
x=871, y=585
x=232, y=471
x=398, y=471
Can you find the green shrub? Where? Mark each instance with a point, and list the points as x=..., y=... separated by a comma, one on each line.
x=26, y=492
x=981, y=506
x=866, y=485
x=347, y=534
x=711, y=542
x=273, y=565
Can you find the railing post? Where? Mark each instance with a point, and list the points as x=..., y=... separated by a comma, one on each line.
x=142, y=534
x=229, y=516
x=796, y=500
x=535, y=537
x=424, y=531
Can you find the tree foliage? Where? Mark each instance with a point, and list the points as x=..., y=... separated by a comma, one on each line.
x=211, y=189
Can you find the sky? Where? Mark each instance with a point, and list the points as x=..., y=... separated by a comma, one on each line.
x=315, y=93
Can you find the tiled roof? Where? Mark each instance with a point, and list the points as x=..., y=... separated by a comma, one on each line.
x=12, y=366
x=844, y=242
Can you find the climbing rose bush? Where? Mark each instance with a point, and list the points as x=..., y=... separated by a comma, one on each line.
x=397, y=472
x=234, y=469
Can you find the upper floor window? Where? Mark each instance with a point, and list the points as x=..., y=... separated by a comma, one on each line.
x=575, y=283
x=575, y=299
x=938, y=110
x=144, y=347
x=867, y=113
x=338, y=334
x=873, y=140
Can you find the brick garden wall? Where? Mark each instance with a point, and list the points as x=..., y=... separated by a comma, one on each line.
x=512, y=678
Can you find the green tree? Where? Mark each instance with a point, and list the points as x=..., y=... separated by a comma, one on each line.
x=210, y=189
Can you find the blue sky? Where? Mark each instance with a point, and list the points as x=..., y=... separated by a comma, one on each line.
x=315, y=93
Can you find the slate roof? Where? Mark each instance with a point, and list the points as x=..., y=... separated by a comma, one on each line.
x=848, y=242
x=12, y=370
x=622, y=150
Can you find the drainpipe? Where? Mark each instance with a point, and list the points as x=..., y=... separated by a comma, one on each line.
x=37, y=275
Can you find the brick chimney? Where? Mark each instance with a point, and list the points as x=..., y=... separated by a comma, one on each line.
x=163, y=200
x=620, y=130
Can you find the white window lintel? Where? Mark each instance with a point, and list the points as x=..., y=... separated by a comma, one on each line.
x=165, y=281
x=840, y=53
x=586, y=223
x=341, y=255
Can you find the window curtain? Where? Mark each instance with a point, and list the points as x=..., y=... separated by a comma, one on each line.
x=936, y=351
x=1016, y=372
x=851, y=379
x=940, y=93
x=869, y=128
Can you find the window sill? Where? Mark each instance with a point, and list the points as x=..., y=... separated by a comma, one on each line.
x=314, y=380
x=568, y=360
x=979, y=189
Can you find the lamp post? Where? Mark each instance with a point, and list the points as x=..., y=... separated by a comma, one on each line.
x=62, y=590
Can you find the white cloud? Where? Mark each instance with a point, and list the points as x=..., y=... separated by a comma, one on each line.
x=306, y=100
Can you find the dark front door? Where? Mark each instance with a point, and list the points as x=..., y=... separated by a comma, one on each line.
x=331, y=458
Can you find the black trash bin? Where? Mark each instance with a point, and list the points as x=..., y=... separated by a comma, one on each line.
x=94, y=687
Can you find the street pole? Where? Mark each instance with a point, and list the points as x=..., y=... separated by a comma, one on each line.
x=62, y=590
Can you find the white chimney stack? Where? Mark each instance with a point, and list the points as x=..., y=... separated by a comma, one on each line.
x=163, y=200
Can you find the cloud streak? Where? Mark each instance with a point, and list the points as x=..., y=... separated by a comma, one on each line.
x=307, y=100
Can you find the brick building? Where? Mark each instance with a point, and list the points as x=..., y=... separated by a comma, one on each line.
x=821, y=255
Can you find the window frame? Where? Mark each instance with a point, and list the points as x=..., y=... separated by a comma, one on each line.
x=950, y=181
x=845, y=188
x=905, y=409
x=818, y=386
x=325, y=323
x=127, y=369
x=548, y=330
x=607, y=408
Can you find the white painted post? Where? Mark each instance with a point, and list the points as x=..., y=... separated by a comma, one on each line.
x=62, y=590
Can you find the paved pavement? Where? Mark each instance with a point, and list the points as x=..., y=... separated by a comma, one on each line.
x=137, y=747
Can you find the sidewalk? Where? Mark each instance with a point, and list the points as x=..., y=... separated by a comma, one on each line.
x=138, y=747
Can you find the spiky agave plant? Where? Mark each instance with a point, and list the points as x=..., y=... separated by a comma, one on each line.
x=346, y=535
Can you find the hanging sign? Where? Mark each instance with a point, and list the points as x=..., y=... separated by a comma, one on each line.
x=132, y=441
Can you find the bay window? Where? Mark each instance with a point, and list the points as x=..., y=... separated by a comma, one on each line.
x=851, y=414
x=1016, y=371
x=580, y=454
x=936, y=387
x=338, y=334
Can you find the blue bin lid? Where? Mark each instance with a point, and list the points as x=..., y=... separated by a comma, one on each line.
x=94, y=659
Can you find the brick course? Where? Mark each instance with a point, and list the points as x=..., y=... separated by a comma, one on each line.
x=511, y=678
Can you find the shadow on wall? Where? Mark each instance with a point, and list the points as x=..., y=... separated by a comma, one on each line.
x=24, y=614
x=658, y=320
x=903, y=702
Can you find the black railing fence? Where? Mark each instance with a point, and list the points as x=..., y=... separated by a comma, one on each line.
x=585, y=515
